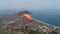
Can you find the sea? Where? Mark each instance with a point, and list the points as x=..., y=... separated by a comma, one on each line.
x=49, y=16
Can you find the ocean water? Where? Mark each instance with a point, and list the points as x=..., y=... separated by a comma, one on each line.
x=7, y=12
x=49, y=16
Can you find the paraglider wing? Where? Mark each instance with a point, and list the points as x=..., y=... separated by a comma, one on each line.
x=27, y=16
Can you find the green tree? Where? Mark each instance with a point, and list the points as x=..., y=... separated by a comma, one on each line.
x=34, y=32
x=54, y=32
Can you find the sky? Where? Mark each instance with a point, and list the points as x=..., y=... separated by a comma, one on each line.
x=29, y=4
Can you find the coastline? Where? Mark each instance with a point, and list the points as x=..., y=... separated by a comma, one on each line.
x=45, y=23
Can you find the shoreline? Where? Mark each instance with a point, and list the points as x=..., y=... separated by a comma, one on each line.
x=45, y=23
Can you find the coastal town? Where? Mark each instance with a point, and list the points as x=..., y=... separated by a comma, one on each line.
x=13, y=24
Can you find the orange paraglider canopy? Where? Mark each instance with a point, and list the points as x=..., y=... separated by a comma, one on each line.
x=27, y=16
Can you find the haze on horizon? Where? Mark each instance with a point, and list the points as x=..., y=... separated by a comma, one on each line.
x=29, y=4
